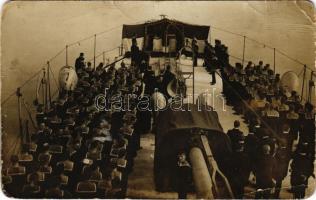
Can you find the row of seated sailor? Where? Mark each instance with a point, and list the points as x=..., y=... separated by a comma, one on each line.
x=79, y=151
x=256, y=91
x=267, y=99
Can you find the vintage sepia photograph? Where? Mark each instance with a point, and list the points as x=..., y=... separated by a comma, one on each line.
x=158, y=99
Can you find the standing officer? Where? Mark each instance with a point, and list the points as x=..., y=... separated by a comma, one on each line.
x=240, y=161
x=282, y=159
x=235, y=135
x=251, y=147
x=264, y=179
x=80, y=62
x=183, y=176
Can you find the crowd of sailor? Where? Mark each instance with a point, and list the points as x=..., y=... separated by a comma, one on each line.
x=281, y=127
x=78, y=150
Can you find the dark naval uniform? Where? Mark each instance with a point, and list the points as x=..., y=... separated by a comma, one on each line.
x=302, y=168
x=282, y=159
x=265, y=165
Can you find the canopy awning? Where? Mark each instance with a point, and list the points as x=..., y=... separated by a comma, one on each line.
x=159, y=27
x=145, y=34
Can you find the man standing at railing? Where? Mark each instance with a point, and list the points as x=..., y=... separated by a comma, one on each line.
x=210, y=61
x=80, y=62
x=195, y=52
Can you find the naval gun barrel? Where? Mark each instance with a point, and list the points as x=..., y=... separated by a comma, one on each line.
x=201, y=176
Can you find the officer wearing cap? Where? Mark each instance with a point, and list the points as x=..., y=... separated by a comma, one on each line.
x=79, y=64
x=264, y=180
x=134, y=52
x=251, y=146
x=235, y=135
x=282, y=158
x=240, y=170
x=183, y=175
x=307, y=129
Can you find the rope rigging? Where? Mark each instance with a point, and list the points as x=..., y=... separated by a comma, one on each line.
x=264, y=45
x=52, y=58
x=104, y=52
x=144, y=21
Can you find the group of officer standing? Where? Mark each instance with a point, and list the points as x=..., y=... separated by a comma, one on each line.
x=281, y=136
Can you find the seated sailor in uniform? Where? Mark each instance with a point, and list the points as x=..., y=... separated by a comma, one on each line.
x=86, y=188
x=94, y=172
x=32, y=189
x=15, y=168
x=55, y=190
x=18, y=174
x=79, y=64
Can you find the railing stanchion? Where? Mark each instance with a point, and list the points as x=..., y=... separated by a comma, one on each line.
x=48, y=84
x=243, y=53
x=94, y=49
x=210, y=35
x=66, y=55
x=303, y=84
x=274, y=60
x=19, y=96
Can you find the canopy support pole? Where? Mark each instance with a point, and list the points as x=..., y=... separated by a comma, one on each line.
x=48, y=84
x=103, y=57
x=94, y=49
x=274, y=60
x=303, y=84
x=243, y=53
x=66, y=55
x=19, y=95
x=311, y=85
x=210, y=35
x=122, y=49
x=145, y=39
x=44, y=90
x=193, y=78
